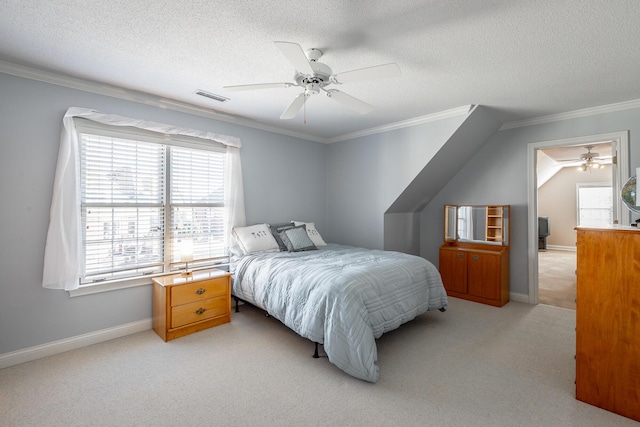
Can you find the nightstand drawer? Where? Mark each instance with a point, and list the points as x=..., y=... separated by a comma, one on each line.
x=198, y=291
x=199, y=310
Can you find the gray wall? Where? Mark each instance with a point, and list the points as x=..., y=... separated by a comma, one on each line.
x=284, y=179
x=366, y=175
x=497, y=174
x=344, y=187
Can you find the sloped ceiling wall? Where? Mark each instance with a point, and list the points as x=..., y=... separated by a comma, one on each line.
x=401, y=223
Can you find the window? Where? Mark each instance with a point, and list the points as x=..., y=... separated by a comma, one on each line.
x=142, y=196
x=595, y=204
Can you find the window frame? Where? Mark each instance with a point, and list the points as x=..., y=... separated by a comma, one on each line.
x=582, y=185
x=86, y=126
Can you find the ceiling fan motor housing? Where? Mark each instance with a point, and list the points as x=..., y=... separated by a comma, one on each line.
x=321, y=76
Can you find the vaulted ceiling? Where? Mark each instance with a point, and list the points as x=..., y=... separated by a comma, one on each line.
x=520, y=58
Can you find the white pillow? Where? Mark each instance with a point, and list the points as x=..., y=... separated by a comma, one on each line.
x=314, y=235
x=255, y=238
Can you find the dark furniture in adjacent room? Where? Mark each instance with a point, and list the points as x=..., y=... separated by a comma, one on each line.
x=543, y=232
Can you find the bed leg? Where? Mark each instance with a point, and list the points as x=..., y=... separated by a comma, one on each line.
x=442, y=309
x=315, y=353
x=237, y=309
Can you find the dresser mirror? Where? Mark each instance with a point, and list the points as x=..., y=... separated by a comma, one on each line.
x=478, y=224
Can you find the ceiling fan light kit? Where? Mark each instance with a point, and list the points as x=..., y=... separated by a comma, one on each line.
x=314, y=77
x=588, y=160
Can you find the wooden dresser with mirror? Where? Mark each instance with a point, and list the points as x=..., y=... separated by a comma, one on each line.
x=474, y=259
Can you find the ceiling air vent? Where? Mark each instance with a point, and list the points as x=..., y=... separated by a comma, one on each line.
x=213, y=96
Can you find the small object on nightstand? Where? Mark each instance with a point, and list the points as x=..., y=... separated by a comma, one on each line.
x=186, y=255
x=184, y=305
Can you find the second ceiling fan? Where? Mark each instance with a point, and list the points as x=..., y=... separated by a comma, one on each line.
x=315, y=77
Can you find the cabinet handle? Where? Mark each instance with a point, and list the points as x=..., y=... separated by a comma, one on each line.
x=475, y=257
x=459, y=255
x=201, y=291
x=201, y=310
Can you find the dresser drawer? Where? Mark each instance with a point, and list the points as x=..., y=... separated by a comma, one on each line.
x=199, y=310
x=198, y=291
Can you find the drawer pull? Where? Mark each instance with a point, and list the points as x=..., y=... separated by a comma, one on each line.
x=201, y=291
x=475, y=257
x=459, y=255
x=201, y=310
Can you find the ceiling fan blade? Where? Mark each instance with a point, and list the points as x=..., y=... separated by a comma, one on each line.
x=369, y=73
x=294, y=53
x=294, y=107
x=349, y=101
x=257, y=86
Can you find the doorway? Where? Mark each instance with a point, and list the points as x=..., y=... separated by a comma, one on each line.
x=619, y=174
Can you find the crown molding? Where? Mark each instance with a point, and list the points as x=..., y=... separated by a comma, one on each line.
x=140, y=97
x=404, y=124
x=586, y=112
x=153, y=100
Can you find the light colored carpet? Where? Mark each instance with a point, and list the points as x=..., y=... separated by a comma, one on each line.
x=557, y=278
x=474, y=365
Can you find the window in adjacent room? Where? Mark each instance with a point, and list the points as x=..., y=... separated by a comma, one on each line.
x=143, y=197
x=595, y=204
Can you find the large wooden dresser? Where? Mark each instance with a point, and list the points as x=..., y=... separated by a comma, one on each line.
x=608, y=319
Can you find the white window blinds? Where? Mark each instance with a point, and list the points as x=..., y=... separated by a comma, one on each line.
x=197, y=203
x=125, y=200
x=122, y=206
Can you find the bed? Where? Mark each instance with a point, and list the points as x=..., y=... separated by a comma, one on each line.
x=340, y=296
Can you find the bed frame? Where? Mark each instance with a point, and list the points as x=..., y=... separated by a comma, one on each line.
x=315, y=352
x=238, y=300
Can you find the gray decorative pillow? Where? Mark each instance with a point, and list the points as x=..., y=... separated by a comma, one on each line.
x=276, y=229
x=296, y=239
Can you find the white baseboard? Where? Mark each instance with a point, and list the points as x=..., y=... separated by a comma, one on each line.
x=519, y=297
x=562, y=248
x=60, y=346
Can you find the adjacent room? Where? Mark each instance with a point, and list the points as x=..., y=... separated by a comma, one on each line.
x=326, y=213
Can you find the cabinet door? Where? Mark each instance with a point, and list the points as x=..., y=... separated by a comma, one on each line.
x=453, y=269
x=483, y=275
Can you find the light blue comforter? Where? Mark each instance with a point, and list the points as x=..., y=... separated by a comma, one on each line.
x=342, y=297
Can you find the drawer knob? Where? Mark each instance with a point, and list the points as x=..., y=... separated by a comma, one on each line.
x=475, y=257
x=459, y=255
x=201, y=291
x=201, y=310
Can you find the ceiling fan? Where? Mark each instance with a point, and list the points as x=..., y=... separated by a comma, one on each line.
x=589, y=160
x=315, y=77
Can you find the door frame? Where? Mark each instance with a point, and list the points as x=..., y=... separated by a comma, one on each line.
x=620, y=174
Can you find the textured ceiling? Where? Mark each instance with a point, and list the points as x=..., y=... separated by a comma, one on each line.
x=521, y=58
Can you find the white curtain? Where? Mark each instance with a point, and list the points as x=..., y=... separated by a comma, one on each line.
x=63, y=256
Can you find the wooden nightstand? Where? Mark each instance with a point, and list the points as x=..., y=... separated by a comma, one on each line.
x=184, y=305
